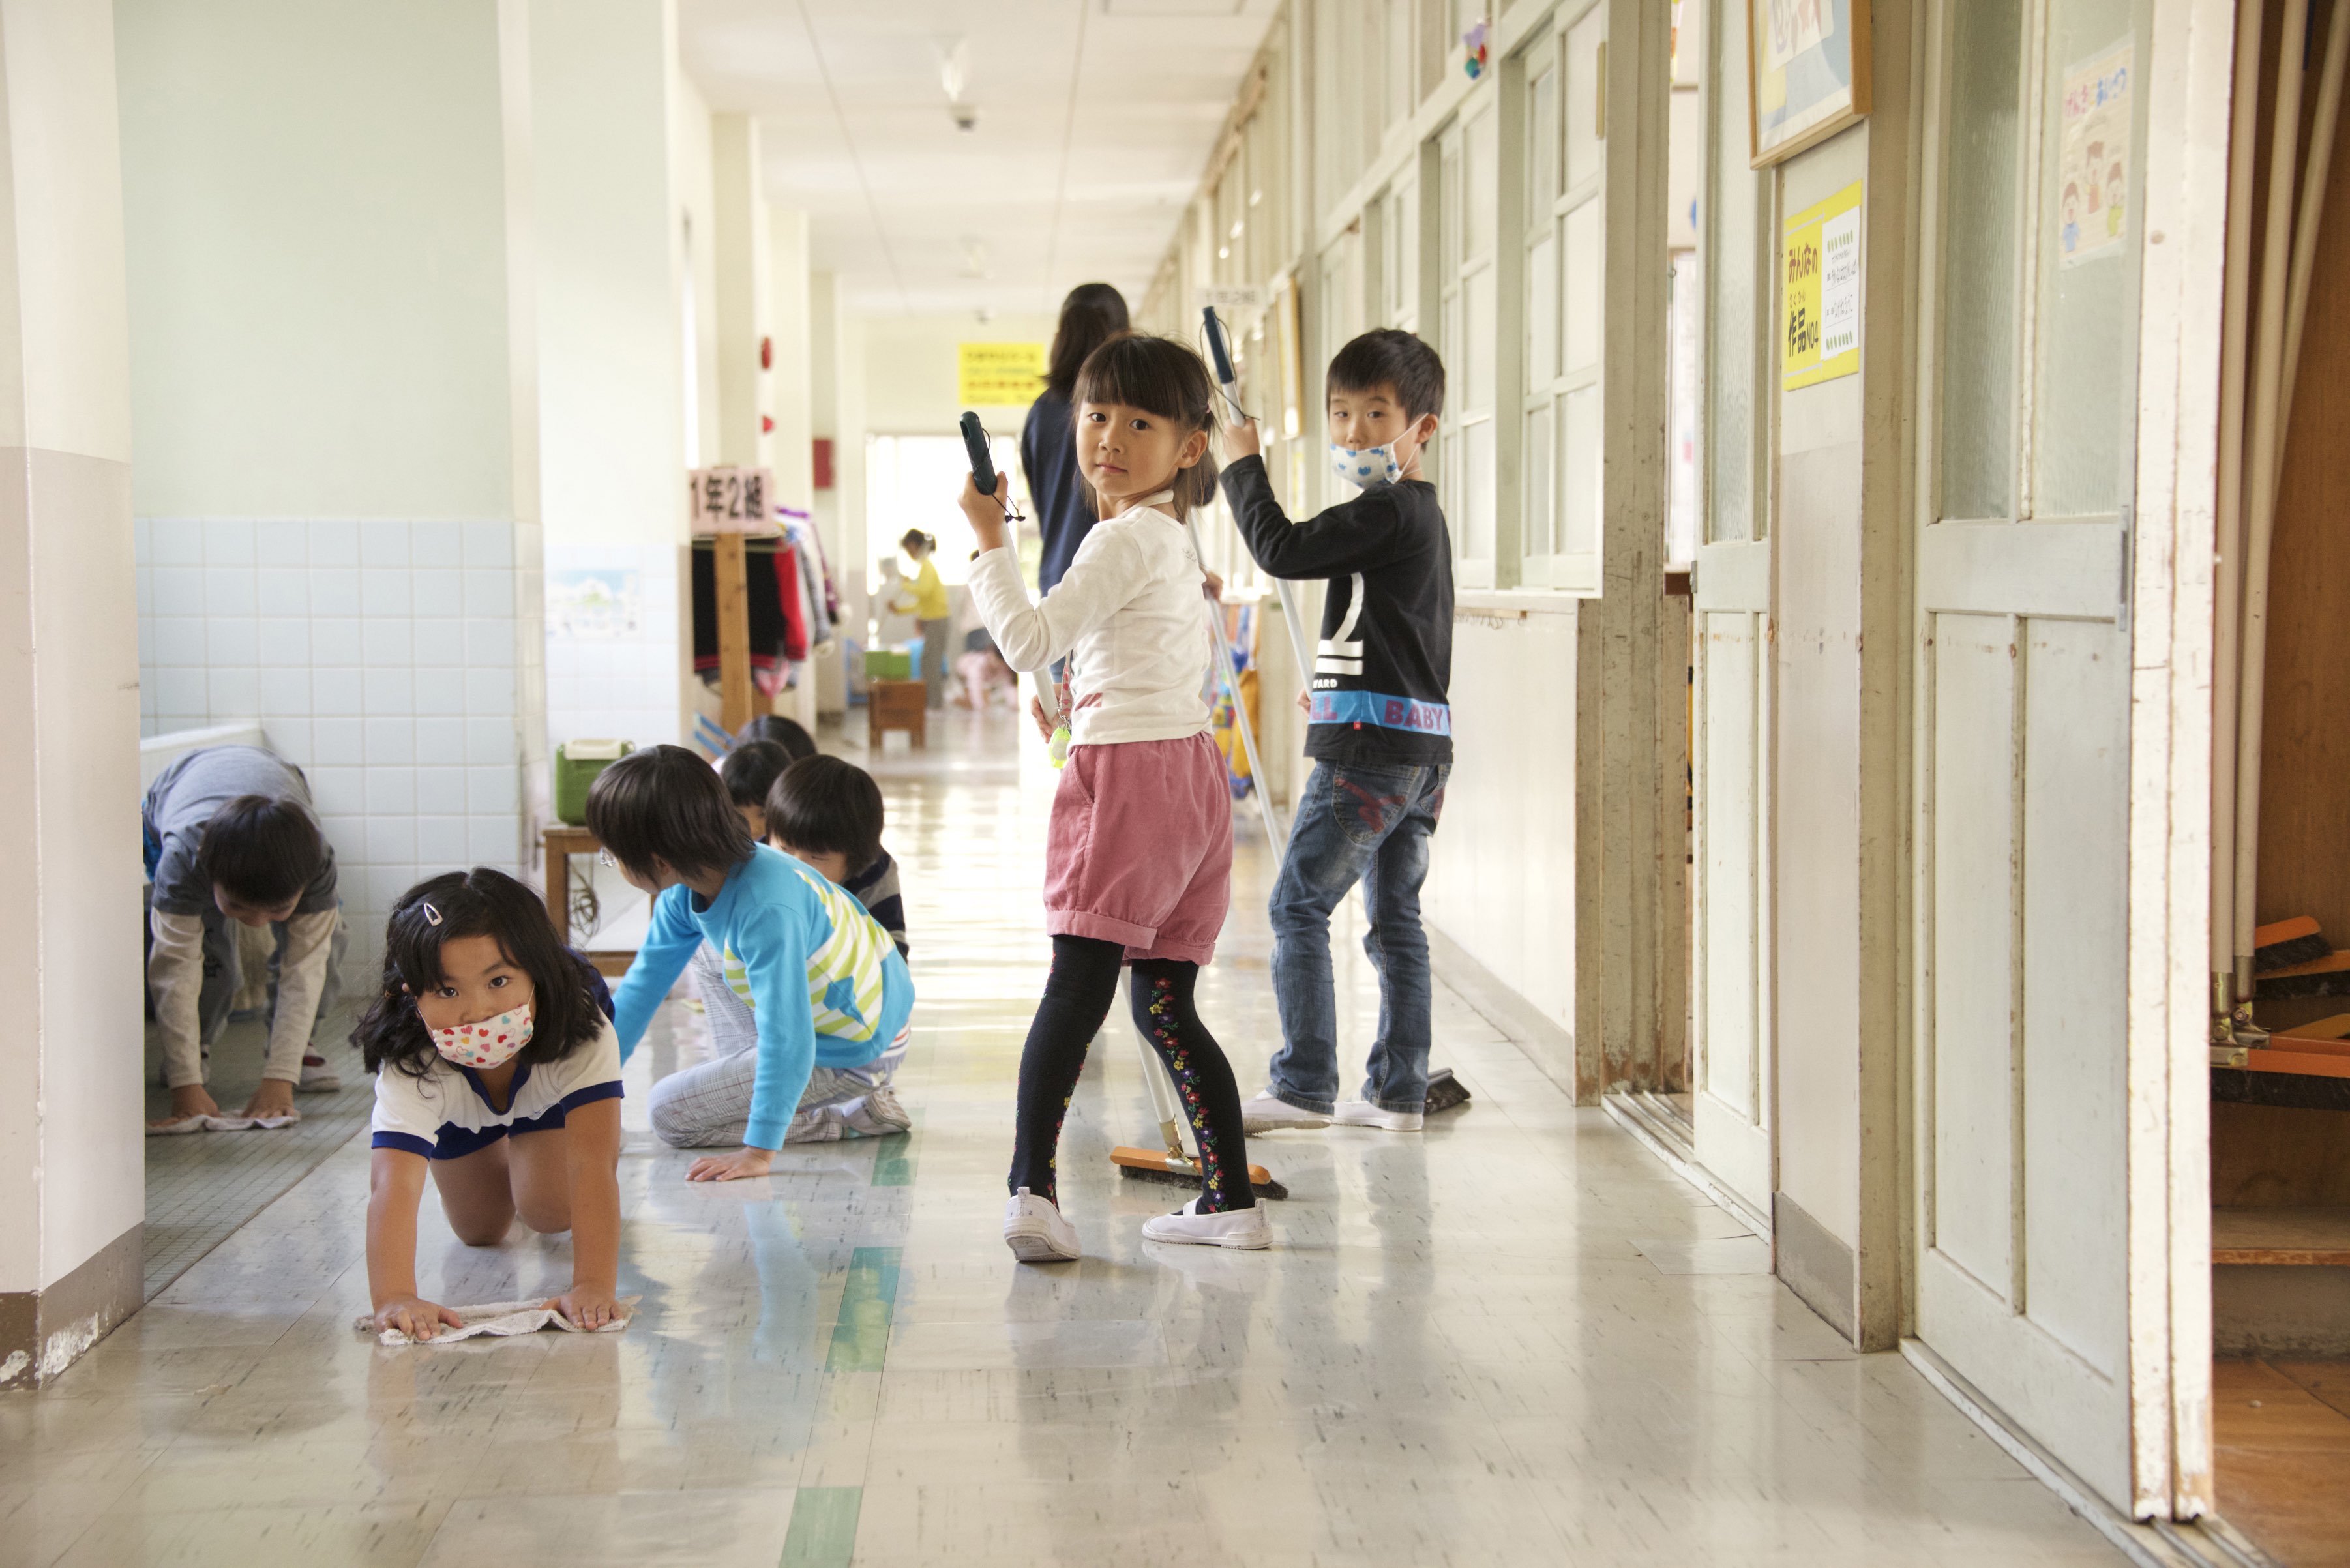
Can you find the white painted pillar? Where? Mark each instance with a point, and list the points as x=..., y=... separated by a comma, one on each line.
x=612, y=369
x=71, y=1148
x=741, y=264
x=328, y=212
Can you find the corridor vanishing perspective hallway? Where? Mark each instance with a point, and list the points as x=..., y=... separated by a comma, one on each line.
x=1515, y=1338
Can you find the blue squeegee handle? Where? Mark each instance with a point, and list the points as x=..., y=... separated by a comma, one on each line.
x=1216, y=350
x=974, y=441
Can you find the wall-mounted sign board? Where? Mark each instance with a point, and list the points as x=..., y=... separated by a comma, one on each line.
x=731, y=500
x=1819, y=335
x=998, y=375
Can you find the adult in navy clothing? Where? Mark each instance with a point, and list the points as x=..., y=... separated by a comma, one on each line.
x=1092, y=315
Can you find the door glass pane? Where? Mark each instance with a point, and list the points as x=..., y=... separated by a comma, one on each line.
x=1478, y=460
x=1542, y=151
x=1538, y=481
x=1582, y=64
x=1478, y=375
x=1579, y=301
x=1482, y=194
x=1450, y=193
x=1542, y=313
x=2085, y=355
x=1730, y=312
x=1578, y=472
x=1979, y=217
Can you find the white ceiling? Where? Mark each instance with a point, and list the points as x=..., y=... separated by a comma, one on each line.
x=1095, y=121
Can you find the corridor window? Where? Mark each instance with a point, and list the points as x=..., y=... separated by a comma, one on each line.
x=1470, y=188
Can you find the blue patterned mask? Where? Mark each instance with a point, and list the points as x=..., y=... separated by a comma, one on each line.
x=1365, y=466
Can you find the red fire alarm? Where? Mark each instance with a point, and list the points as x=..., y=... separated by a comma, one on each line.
x=823, y=463
x=767, y=423
x=766, y=353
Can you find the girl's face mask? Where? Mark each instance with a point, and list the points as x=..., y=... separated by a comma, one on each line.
x=489, y=1044
x=1365, y=466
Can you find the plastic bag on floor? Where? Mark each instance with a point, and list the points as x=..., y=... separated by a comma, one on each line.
x=222, y=1124
x=501, y=1320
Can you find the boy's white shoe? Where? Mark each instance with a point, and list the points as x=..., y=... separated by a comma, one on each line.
x=1039, y=1233
x=1267, y=1114
x=877, y=1114
x=1243, y=1228
x=1363, y=1114
x=317, y=1077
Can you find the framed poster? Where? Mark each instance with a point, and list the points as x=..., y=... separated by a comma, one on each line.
x=1806, y=73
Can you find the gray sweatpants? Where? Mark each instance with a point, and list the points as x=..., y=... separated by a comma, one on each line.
x=708, y=1105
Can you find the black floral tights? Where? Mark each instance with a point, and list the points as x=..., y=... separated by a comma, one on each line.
x=1078, y=994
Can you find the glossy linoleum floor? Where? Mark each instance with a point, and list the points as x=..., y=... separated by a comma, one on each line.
x=1515, y=1339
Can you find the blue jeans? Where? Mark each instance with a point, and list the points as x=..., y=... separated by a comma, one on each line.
x=1367, y=823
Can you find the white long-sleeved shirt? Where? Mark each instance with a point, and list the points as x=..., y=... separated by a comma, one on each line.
x=1129, y=612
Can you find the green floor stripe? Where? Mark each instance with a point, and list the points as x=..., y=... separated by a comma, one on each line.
x=824, y=1527
x=860, y=1336
x=893, y=1162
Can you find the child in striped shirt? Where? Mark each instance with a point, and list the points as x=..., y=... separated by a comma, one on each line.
x=826, y=988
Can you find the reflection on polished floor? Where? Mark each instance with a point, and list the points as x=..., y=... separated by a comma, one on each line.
x=1515, y=1338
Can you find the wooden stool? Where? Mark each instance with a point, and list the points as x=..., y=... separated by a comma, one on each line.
x=560, y=843
x=895, y=705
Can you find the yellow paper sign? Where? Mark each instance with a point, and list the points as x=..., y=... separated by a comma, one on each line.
x=998, y=375
x=1820, y=291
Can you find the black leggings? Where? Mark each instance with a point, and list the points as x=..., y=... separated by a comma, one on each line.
x=1077, y=995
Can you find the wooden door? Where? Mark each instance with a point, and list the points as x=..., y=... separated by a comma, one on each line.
x=2022, y=770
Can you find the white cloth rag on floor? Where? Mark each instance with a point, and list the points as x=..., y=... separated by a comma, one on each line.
x=222, y=1124
x=503, y=1320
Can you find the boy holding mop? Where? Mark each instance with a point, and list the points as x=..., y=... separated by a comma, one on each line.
x=1380, y=730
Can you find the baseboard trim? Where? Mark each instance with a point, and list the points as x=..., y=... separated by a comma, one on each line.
x=1537, y=1036
x=1662, y=1138
x=1817, y=1265
x=2161, y=1544
x=44, y=1332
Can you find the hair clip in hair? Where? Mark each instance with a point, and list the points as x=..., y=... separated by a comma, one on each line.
x=432, y=915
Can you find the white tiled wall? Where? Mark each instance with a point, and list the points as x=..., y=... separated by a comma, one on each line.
x=621, y=688
x=384, y=658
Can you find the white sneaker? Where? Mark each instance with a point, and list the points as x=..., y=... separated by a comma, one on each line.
x=1243, y=1228
x=317, y=1077
x=878, y=1115
x=1267, y=1114
x=1363, y=1114
x=1037, y=1232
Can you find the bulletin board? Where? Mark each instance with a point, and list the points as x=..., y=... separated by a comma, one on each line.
x=1819, y=303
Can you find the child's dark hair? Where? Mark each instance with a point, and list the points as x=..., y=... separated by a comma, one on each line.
x=1159, y=376
x=482, y=902
x=796, y=742
x=1388, y=357
x=1092, y=315
x=261, y=851
x=915, y=537
x=751, y=770
x=827, y=806
x=665, y=804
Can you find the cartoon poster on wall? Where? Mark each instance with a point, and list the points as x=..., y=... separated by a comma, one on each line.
x=2093, y=166
x=1807, y=72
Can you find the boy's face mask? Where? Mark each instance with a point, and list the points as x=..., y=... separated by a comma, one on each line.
x=489, y=1044
x=1365, y=466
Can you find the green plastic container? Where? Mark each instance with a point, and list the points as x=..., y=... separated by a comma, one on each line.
x=577, y=763
x=889, y=664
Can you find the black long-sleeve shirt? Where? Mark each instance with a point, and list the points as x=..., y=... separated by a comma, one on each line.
x=1383, y=668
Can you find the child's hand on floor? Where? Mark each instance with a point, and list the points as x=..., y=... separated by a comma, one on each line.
x=415, y=1317
x=275, y=1098
x=743, y=1164
x=189, y=1100
x=585, y=1306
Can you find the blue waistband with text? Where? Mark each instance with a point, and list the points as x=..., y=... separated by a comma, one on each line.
x=1387, y=712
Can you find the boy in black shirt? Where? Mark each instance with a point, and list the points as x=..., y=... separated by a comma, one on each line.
x=1380, y=730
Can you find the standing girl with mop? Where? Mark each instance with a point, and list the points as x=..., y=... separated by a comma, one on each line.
x=1139, y=857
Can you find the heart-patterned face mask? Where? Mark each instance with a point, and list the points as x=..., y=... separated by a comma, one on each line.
x=489, y=1044
x=1365, y=466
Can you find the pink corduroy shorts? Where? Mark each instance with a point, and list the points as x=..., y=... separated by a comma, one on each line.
x=1140, y=848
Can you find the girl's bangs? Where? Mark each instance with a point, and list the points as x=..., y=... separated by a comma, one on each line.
x=1127, y=370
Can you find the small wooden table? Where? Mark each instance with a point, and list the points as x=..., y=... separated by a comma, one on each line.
x=561, y=841
x=895, y=705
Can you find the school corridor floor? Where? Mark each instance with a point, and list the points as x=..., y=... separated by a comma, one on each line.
x=1513, y=1339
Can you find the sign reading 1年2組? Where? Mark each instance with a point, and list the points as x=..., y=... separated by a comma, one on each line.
x=1820, y=291
x=998, y=375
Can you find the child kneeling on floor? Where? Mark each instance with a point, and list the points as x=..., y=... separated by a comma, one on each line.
x=826, y=814
x=1138, y=858
x=826, y=986
x=498, y=1070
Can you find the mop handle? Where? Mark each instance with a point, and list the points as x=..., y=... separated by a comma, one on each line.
x=1154, y=1072
x=1240, y=709
x=1230, y=383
